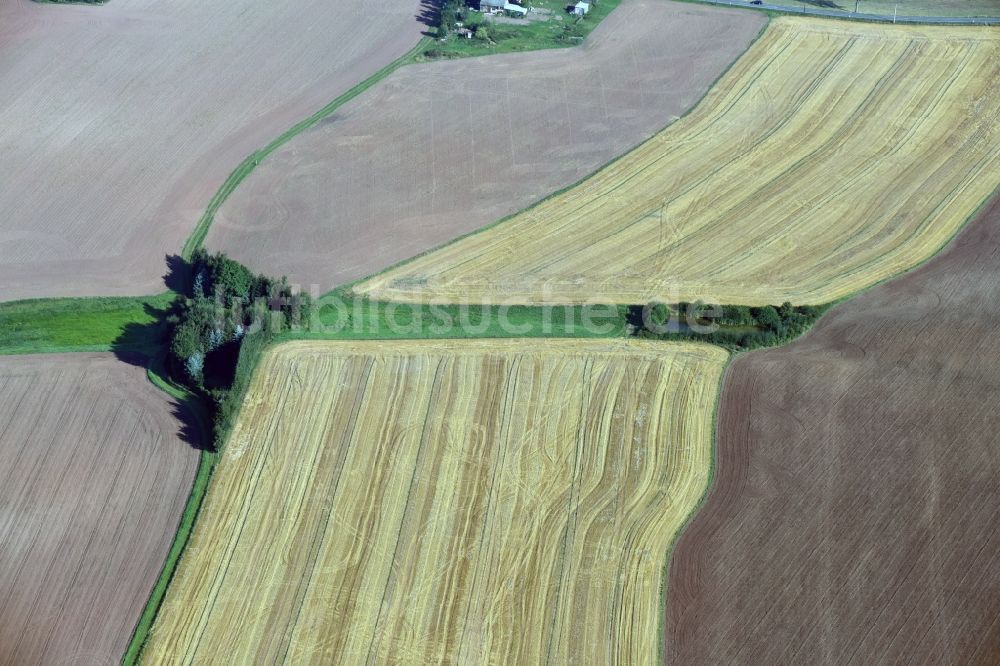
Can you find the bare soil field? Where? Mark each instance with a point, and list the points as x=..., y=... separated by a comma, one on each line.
x=93, y=478
x=118, y=123
x=466, y=502
x=441, y=149
x=855, y=517
x=831, y=156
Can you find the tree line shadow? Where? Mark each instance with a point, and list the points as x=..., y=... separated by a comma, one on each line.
x=145, y=346
x=429, y=15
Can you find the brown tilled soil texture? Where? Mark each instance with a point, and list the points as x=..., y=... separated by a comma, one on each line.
x=119, y=122
x=94, y=475
x=441, y=149
x=855, y=514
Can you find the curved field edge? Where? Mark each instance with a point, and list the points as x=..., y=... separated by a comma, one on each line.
x=79, y=348
x=960, y=180
x=925, y=331
x=252, y=358
x=61, y=331
x=246, y=167
x=722, y=385
x=349, y=287
x=127, y=499
x=712, y=463
x=557, y=351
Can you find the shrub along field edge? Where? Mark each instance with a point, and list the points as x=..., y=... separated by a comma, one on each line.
x=206, y=465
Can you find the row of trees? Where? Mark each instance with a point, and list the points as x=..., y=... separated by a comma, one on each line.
x=225, y=311
x=457, y=12
x=736, y=327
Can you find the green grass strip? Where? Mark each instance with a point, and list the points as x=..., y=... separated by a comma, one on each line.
x=82, y=324
x=206, y=465
x=359, y=318
x=247, y=166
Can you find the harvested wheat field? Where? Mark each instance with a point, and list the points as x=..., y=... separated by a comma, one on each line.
x=93, y=478
x=831, y=156
x=441, y=149
x=502, y=501
x=854, y=517
x=118, y=123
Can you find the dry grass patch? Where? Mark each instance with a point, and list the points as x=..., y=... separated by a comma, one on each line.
x=461, y=502
x=831, y=156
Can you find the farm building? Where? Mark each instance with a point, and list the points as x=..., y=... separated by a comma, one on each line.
x=501, y=5
x=580, y=8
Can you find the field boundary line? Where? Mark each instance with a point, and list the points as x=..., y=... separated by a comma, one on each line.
x=185, y=526
x=349, y=286
x=246, y=167
x=905, y=271
x=695, y=509
x=197, y=237
x=853, y=16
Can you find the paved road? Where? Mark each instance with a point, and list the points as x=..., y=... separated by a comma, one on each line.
x=881, y=18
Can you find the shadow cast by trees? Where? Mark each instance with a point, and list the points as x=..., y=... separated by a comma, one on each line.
x=145, y=346
x=429, y=15
x=193, y=429
x=824, y=4
x=179, y=274
x=201, y=347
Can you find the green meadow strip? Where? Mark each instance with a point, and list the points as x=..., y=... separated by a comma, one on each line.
x=206, y=465
x=53, y=325
x=247, y=166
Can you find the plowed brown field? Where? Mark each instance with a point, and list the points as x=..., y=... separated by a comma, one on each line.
x=831, y=156
x=93, y=479
x=855, y=515
x=441, y=149
x=118, y=123
x=501, y=501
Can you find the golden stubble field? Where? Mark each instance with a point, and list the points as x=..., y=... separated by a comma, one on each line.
x=831, y=156
x=501, y=501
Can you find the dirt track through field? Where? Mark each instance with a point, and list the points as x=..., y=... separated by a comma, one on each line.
x=460, y=502
x=93, y=479
x=441, y=149
x=118, y=123
x=855, y=517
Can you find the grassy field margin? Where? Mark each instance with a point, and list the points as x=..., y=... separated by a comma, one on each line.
x=54, y=335
x=54, y=325
x=250, y=356
x=206, y=465
x=246, y=167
